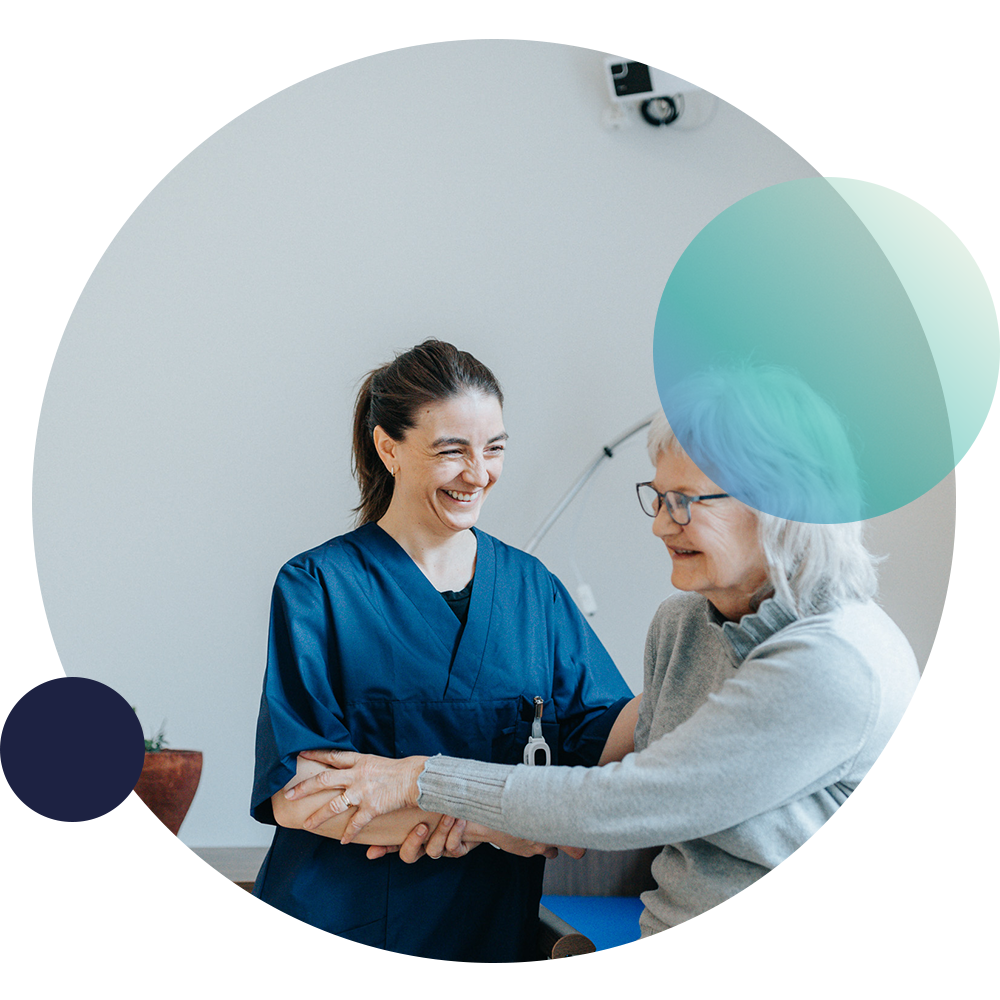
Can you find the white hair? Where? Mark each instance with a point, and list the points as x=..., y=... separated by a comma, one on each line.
x=812, y=567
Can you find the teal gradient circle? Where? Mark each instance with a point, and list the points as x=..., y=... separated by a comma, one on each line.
x=867, y=297
x=948, y=294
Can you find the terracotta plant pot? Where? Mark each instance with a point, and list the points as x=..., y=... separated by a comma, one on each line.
x=168, y=782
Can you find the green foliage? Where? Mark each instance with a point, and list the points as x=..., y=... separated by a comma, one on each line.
x=159, y=741
x=60, y=858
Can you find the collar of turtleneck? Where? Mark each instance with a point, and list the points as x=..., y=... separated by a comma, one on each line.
x=752, y=629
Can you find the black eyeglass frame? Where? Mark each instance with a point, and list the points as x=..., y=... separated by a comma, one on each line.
x=681, y=500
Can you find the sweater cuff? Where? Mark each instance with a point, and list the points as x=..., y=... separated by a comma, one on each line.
x=468, y=789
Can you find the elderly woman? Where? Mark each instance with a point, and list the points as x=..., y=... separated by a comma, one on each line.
x=771, y=685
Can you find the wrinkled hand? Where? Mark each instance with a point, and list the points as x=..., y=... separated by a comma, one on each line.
x=374, y=785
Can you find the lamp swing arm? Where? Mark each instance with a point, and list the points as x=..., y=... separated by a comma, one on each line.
x=606, y=452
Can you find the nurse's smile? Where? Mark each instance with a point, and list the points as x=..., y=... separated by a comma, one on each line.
x=447, y=463
x=464, y=498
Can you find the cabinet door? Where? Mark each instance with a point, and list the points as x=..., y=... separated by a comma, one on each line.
x=203, y=928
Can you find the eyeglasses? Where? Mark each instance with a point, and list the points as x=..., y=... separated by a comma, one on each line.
x=678, y=504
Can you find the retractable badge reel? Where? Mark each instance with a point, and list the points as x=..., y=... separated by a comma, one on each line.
x=536, y=750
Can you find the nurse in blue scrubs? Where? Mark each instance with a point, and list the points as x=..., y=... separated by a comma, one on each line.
x=418, y=634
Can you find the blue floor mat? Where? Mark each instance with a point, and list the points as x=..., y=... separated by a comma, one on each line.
x=607, y=920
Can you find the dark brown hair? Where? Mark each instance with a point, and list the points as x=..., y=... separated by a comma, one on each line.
x=389, y=398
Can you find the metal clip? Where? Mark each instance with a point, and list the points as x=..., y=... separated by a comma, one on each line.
x=536, y=750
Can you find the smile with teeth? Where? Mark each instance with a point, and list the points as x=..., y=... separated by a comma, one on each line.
x=683, y=552
x=462, y=497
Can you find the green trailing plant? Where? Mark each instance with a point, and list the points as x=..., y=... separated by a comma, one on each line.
x=158, y=741
x=60, y=856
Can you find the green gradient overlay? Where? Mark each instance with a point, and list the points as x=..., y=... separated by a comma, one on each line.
x=942, y=237
x=873, y=302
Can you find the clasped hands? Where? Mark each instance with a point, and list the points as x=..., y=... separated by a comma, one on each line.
x=375, y=786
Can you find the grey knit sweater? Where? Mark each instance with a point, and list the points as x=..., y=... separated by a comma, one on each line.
x=749, y=738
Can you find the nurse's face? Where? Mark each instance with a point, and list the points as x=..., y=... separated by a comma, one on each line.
x=449, y=461
x=717, y=554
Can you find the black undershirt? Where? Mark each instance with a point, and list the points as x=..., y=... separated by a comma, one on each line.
x=458, y=601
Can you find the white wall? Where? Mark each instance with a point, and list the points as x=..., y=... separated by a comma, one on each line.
x=195, y=431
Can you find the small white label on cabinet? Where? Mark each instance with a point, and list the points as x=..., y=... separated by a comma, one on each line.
x=114, y=905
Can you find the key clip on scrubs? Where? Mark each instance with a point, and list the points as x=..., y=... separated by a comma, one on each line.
x=536, y=750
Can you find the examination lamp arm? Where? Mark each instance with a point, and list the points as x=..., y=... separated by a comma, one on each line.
x=606, y=452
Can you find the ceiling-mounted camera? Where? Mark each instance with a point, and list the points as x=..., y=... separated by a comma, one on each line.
x=659, y=95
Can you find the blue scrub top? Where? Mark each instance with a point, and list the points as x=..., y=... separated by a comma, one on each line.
x=364, y=654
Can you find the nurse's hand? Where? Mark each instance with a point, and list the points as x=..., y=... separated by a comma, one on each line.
x=447, y=841
x=517, y=845
x=376, y=785
x=454, y=838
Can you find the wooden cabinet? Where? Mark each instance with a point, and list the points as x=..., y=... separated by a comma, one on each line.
x=192, y=908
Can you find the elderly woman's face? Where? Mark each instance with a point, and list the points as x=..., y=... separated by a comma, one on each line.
x=717, y=554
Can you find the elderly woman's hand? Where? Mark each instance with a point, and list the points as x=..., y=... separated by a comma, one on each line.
x=376, y=785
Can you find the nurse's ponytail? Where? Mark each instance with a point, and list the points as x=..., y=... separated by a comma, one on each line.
x=373, y=477
x=391, y=395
